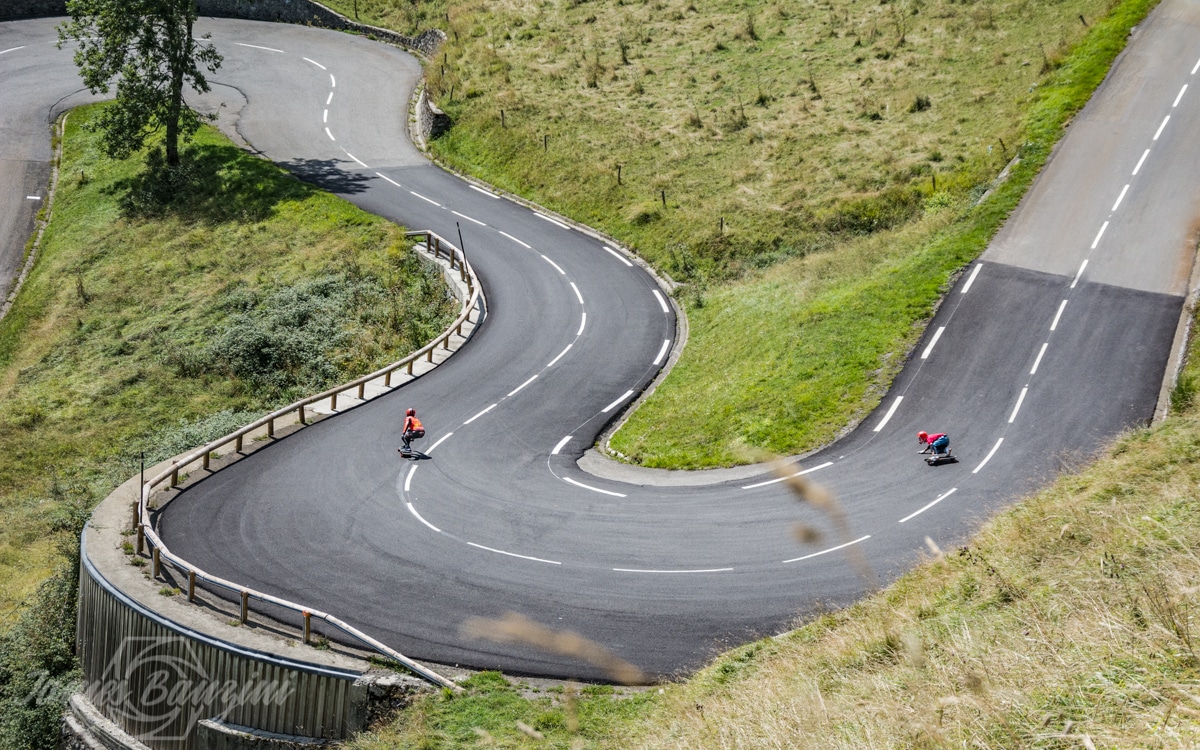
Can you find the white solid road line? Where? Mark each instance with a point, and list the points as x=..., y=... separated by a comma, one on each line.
x=468, y=218
x=889, y=414
x=517, y=390
x=389, y=179
x=971, y=279
x=552, y=221
x=617, y=255
x=561, y=444
x=408, y=479
x=1160, y=127
x=1180, y=96
x=413, y=510
x=1020, y=400
x=662, y=302
x=577, y=294
x=582, y=323
x=427, y=200
x=827, y=551
x=514, y=554
x=11, y=49
x=314, y=62
x=930, y=505
x=1038, y=361
x=1140, y=162
x=514, y=239
x=440, y=440
x=936, y=335
x=593, y=489
x=1120, y=197
x=554, y=361
x=480, y=414
x=1099, y=235
x=784, y=479
x=1083, y=265
x=268, y=49
x=662, y=352
x=617, y=403
x=556, y=266
x=1058, y=315
x=988, y=457
x=488, y=193
x=670, y=572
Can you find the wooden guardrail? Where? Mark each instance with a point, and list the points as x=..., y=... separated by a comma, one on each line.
x=200, y=458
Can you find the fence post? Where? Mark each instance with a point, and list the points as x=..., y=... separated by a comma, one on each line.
x=238, y=446
x=333, y=402
x=387, y=379
x=410, y=364
x=157, y=564
x=271, y=427
x=302, y=414
x=191, y=586
x=207, y=459
x=141, y=539
x=307, y=626
x=175, y=475
x=245, y=606
x=362, y=389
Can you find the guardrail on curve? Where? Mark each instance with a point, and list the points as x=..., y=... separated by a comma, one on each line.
x=200, y=458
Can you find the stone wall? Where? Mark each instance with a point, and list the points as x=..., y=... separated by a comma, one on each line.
x=284, y=11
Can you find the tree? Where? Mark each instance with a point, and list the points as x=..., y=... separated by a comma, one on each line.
x=146, y=47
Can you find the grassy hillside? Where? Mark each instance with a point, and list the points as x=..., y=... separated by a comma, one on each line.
x=1069, y=621
x=164, y=311
x=809, y=172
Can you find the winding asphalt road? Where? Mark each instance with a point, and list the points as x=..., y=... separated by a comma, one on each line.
x=1053, y=342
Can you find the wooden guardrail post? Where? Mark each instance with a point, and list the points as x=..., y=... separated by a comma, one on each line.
x=175, y=475
x=410, y=365
x=307, y=626
x=362, y=390
x=141, y=539
x=333, y=402
x=206, y=460
x=245, y=605
x=271, y=427
x=157, y=568
x=238, y=444
x=191, y=586
x=302, y=414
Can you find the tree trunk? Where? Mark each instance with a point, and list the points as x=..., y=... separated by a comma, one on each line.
x=179, y=50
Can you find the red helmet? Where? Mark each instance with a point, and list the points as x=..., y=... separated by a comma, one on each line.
x=413, y=413
x=922, y=435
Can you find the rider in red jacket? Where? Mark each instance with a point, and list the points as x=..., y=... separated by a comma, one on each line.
x=937, y=443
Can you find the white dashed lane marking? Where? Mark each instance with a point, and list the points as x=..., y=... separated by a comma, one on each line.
x=468, y=218
x=427, y=200
x=662, y=302
x=929, y=349
x=255, y=46
x=514, y=239
x=930, y=505
x=561, y=444
x=988, y=457
x=617, y=403
x=319, y=65
x=889, y=414
x=666, y=346
x=488, y=193
x=569, y=480
x=617, y=255
x=555, y=222
x=827, y=551
x=784, y=479
x=971, y=278
x=514, y=554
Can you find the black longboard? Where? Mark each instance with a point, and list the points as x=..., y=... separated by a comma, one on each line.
x=947, y=458
x=412, y=453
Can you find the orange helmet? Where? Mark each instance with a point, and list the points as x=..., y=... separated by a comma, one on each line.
x=413, y=413
x=922, y=435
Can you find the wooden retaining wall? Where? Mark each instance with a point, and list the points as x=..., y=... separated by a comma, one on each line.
x=157, y=680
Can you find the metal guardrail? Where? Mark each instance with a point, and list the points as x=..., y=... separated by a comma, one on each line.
x=436, y=246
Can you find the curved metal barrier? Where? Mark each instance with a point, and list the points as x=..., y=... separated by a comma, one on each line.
x=200, y=458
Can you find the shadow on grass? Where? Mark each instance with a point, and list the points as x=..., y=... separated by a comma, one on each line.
x=220, y=183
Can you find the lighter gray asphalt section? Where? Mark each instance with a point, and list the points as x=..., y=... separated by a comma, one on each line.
x=1149, y=242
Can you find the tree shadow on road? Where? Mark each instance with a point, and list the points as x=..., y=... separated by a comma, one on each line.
x=216, y=184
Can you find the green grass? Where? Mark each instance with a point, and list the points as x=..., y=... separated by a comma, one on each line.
x=168, y=308
x=1067, y=621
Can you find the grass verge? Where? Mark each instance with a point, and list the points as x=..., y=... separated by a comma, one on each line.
x=168, y=307
x=1067, y=621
